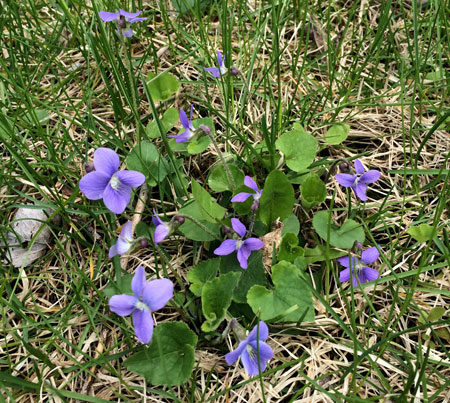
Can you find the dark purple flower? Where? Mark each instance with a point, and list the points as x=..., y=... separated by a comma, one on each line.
x=189, y=130
x=108, y=183
x=250, y=348
x=359, y=268
x=217, y=72
x=148, y=297
x=124, y=20
x=124, y=241
x=359, y=181
x=163, y=229
x=243, y=248
x=243, y=196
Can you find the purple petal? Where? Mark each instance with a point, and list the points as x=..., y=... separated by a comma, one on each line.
x=370, y=274
x=250, y=183
x=345, y=180
x=93, y=185
x=360, y=190
x=133, y=20
x=117, y=200
x=250, y=363
x=344, y=275
x=215, y=72
x=232, y=356
x=220, y=59
x=182, y=137
x=344, y=261
x=126, y=14
x=265, y=352
x=359, y=167
x=132, y=179
x=143, y=325
x=122, y=246
x=370, y=255
x=161, y=233
x=128, y=32
x=241, y=197
x=106, y=16
x=253, y=244
x=361, y=278
x=238, y=227
x=183, y=119
x=138, y=282
x=242, y=255
x=123, y=304
x=106, y=161
x=157, y=293
x=226, y=247
x=113, y=251
x=156, y=220
x=190, y=119
x=370, y=176
x=263, y=332
x=127, y=231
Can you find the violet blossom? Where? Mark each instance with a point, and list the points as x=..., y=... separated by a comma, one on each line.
x=221, y=70
x=189, y=130
x=148, y=296
x=243, y=196
x=124, y=20
x=243, y=247
x=359, y=181
x=250, y=348
x=359, y=268
x=108, y=183
x=163, y=228
x=124, y=241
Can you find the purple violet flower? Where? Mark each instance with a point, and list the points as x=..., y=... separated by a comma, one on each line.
x=359, y=181
x=148, y=297
x=217, y=72
x=359, y=267
x=124, y=20
x=243, y=248
x=189, y=130
x=124, y=241
x=249, y=348
x=108, y=183
x=163, y=229
x=243, y=196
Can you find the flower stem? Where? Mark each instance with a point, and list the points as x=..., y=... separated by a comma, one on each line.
x=199, y=224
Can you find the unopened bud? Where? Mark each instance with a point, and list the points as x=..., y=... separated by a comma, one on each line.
x=89, y=167
x=144, y=243
x=227, y=230
x=205, y=129
x=234, y=71
x=180, y=220
x=358, y=246
x=344, y=167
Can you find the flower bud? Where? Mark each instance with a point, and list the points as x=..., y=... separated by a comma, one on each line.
x=144, y=243
x=89, y=167
x=205, y=129
x=227, y=230
x=345, y=168
x=358, y=246
x=180, y=220
x=234, y=71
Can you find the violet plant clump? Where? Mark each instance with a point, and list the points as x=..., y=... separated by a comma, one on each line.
x=149, y=296
x=358, y=269
x=250, y=348
x=108, y=183
x=358, y=183
x=124, y=241
x=243, y=247
x=124, y=20
x=217, y=71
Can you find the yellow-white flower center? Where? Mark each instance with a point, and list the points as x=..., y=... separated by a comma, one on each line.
x=114, y=182
x=239, y=243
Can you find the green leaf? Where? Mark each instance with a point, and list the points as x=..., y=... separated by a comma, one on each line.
x=299, y=149
x=187, y=6
x=145, y=158
x=168, y=121
x=254, y=274
x=198, y=145
x=169, y=359
x=289, y=249
x=162, y=86
x=142, y=230
x=313, y=191
x=436, y=313
x=291, y=224
x=341, y=237
x=41, y=115
x=291, y=295
x=277, y=199
x=422, y=232
x=124, y=288
x=216, y=298
x=210, y=209
x=191, y=230
x=319, y=254
x=202, y=273
x=218, y=179
x=337, y=133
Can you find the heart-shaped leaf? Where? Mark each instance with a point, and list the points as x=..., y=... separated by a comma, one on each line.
x=210, y=210
x=168, y=120
x=191, y=230
x=200, y=274
x=162, y=86
x=422, y=232
x=289, y=249
x=337, y=133
x=313, y=191
x=218, y=179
